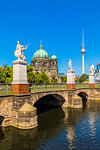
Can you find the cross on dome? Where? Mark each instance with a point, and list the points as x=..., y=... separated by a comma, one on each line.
x=41, y=47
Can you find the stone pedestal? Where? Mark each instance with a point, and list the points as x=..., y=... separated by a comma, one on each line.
x=91, y=81
x=27, y=117
x=91, y=85
x=71, y=86
x=20, y=84
x=70, y=80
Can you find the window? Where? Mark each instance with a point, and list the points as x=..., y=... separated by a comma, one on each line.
x=39, y=63
x=45, y=63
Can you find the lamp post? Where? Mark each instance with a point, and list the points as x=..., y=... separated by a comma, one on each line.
x=32, y=80
x=61, y=77
x=45, y=84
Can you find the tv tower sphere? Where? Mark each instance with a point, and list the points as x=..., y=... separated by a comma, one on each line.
x=83, y=50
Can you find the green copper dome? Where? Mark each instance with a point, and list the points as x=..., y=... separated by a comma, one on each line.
x=36, y=63
x=40, y=53
x=53, y=57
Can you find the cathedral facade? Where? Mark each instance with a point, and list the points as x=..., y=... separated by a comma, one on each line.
x=42, y=62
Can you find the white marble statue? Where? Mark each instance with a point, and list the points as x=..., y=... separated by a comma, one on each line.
x=70, y=64
x=92, y=69
x=19, y=51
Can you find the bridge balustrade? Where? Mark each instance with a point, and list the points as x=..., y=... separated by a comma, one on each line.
x=97, y=85
x=5, y=89
x=82, y=85
x=44, y=87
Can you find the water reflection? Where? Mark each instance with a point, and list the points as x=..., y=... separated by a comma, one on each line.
x=59, y=129
x=92, y=116
x=71, y=136
x=71, y=119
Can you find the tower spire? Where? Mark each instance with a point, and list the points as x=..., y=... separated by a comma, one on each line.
x=41, y=44
x=83, y=51
x=82, y=38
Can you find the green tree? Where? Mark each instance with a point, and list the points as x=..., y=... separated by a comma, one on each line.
x=6, y=74
x=54, y=80
x=35, y=77
x=64, y=78
x=30, y=75
x=83, y=78
x=44, y=78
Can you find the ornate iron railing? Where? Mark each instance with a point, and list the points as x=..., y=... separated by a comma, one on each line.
x=5, y=89
x=42, y=87
x=82, y=85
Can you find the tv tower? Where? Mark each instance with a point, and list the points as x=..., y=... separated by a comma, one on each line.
x=83, y=51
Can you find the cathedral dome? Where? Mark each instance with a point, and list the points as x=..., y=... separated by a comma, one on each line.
x=40, y=53
x=53, y=57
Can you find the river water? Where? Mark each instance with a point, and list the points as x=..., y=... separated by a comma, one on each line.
x=77, y=129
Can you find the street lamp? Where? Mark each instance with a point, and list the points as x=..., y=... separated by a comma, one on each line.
x=32, y=80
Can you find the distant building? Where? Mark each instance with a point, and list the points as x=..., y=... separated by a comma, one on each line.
x=42, y=62
x=97, y=73
x=97, y=68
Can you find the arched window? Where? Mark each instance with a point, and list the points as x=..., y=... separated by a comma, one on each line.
x=53, y=63
x=45, y=64
x=39, y=63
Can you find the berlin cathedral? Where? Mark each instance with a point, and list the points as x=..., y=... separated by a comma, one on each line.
x=42, y=62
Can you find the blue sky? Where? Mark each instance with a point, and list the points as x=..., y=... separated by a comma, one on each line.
x=58, y=24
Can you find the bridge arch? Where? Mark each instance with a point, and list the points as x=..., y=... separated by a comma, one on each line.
x=37, y=95
x=48, y=102
x=84, y=97
x=82, y=94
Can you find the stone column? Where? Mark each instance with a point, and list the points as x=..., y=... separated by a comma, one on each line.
x=20, y=84
x=70, y=80
x=91, y=81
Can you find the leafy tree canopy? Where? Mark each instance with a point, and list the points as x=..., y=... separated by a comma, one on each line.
x=35, y=77
x=64, y=78
x=6, y=74
x=82, y=78
x=54, y=80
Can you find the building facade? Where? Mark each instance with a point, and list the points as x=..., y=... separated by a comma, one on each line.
x=97, y=73
x=42, y=62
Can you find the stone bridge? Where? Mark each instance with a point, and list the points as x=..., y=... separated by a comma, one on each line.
x=70, y=98
x=12, y=107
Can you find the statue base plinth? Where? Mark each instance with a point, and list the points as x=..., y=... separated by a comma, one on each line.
x=20, y=84
x=91, y=85
x=71, y=86
x=91, y=79
x=20, y=88
x=70, y=77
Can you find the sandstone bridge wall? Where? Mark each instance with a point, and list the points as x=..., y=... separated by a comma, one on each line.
x=9, y=105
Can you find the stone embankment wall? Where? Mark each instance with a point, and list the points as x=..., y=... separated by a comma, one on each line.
x=9, y=109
